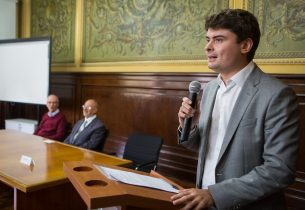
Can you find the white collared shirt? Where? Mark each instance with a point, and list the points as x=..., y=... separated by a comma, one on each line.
x=52, y=114
x=89, y=119
x=224, y=103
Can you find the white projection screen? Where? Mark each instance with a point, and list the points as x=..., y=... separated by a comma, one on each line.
x=25, y=70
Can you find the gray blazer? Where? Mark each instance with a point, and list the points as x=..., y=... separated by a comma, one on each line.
x=258, y=156
x=92, y=137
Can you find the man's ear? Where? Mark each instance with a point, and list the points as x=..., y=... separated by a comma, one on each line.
x=246, y=46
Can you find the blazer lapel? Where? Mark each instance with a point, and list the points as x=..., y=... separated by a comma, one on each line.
x=244, y=99
x=76, y=127
x=209, y=101
x=80, y=124
x=205, y=122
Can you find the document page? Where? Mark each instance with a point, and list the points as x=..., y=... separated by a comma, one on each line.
x=137, y=179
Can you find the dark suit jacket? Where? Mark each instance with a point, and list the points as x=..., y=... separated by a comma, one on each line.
x=92, y=137
x=258, y=156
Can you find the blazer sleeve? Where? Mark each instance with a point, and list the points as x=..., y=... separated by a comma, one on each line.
x=193, y=141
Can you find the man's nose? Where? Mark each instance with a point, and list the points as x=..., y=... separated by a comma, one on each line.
x=208, y=46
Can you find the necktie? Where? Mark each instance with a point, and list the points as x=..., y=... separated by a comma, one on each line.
x=81, y=128
x=83, y=125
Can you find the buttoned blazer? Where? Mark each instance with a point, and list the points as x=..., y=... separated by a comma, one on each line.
x=259, y=151
x=91, y=137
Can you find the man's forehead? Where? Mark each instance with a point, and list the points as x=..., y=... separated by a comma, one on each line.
x=218, y=32
x=52, y=99
x=90, y=103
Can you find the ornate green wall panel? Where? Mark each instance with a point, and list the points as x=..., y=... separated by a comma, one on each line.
x=146, y=30
x=55, y=18
x=283, y=27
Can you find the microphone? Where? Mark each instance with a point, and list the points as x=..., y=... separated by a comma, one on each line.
x=194, y=89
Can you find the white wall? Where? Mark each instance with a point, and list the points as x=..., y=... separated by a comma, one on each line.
x=8, y=19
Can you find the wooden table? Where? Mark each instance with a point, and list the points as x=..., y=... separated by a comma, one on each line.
x=43, y=186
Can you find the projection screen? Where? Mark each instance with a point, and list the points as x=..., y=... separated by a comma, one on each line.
x=25, y=70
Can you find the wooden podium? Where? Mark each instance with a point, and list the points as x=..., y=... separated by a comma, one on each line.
x=98, y=191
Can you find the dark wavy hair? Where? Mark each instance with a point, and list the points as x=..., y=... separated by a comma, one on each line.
x=241, y=22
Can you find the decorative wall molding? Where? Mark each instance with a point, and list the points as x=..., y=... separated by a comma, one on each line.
x=146, y=30
x=56, y=19
x=282, y=28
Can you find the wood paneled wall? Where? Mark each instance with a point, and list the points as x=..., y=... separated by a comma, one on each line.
x=148, y=103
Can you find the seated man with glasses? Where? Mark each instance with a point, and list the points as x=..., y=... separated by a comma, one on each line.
x=53, y=123
x=89, y=132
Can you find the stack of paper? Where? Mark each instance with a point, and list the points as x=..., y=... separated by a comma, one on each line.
x=137, y=179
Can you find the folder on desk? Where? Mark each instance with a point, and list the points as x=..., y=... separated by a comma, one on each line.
x=99, y=190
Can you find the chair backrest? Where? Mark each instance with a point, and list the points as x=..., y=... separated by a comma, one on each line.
x=69, y=127
x=143, y=150
x=100, y=147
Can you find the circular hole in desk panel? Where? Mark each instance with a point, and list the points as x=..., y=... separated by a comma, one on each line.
x=82, y=168
x=92, y=183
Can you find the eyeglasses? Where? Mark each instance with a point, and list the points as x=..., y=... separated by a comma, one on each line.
x=52, y=102
x=86, y=107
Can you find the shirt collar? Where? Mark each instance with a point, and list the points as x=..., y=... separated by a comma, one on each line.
x=89, y=119
x=240, y=77
x=52, y=114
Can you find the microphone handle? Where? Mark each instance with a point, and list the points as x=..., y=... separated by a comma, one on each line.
x=188, y=121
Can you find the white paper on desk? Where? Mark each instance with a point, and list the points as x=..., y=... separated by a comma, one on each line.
x=137, y=179
x=48, y=141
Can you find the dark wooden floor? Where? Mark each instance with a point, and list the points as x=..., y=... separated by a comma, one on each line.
x=6, y=197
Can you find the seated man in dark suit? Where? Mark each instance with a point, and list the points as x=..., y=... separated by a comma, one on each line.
x=89, y=132
x=53, y=123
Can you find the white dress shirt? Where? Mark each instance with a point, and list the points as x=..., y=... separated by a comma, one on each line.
x=224, y=103
x=52, y=114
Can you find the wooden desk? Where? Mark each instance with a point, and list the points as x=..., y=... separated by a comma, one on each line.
x=43, y=186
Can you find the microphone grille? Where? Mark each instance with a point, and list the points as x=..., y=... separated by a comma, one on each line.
x=194, y=87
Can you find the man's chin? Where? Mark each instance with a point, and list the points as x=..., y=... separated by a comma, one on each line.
x=212, y=67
